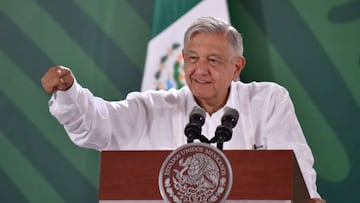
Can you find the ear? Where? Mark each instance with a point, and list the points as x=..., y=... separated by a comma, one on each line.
x=240, y=62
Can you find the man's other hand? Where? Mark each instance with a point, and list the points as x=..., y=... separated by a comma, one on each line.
x=57, y=78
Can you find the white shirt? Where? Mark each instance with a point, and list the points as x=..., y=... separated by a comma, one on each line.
x=156, y=120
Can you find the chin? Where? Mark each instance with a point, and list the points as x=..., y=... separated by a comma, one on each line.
x=200, y=95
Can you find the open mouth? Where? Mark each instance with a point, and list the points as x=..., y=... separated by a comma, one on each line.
x=202, y=81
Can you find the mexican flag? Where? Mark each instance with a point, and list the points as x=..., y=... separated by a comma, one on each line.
x=164, y=64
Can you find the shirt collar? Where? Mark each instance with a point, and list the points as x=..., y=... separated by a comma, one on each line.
x=231, y=101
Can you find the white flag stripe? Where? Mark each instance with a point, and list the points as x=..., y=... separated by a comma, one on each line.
x=160, y=45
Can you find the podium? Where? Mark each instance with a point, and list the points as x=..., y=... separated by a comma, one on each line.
x=131, y=176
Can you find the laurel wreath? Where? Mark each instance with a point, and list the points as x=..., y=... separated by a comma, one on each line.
x=213, y=198
x=177, y=68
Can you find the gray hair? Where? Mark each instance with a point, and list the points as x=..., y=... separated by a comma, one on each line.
x=216, y=25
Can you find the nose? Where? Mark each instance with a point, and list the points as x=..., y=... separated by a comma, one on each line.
x=202, y=67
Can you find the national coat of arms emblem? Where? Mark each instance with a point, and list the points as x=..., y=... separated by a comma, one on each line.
x=169, y=73
x=195, y=172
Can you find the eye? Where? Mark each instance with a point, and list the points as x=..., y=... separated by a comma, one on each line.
x=214, y=61
x=192, y=59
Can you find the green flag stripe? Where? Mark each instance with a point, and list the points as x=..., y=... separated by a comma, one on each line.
x=52, y=52
x=13, y=77
x=107, y=55
x=124, y=36
x=29, y=181
x=165, y=14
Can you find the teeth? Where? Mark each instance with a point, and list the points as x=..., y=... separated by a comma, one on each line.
x=201, y=81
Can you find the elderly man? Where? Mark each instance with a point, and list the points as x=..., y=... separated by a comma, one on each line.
x=213, y=61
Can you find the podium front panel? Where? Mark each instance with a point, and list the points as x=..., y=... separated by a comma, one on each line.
x=257, y=175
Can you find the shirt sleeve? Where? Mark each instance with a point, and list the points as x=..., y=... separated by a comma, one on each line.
x=92, y=122
x=283, y=131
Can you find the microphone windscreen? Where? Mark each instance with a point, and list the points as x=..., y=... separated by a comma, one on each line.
x=198, y=111
x=197, y=115
x=232, y=114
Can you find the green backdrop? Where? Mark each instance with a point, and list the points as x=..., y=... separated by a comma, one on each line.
x=310, y=47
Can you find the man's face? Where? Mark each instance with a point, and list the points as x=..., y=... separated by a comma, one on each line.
x=210, y=65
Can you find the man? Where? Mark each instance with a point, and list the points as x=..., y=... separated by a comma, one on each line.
x=213, y=60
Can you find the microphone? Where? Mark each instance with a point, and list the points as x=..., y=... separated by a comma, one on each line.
x=224, y=131
x=196, y=121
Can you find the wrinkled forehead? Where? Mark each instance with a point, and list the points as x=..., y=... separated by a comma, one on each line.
x=218, y=40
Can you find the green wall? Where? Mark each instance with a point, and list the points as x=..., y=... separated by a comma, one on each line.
x=310, y=47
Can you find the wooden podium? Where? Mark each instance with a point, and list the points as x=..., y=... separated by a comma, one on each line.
x=257, y=175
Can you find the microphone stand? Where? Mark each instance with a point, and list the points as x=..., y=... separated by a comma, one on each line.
x=220, y=145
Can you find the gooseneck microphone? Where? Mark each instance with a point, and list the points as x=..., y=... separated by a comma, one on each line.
x=196, y=121
x=224, y=131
